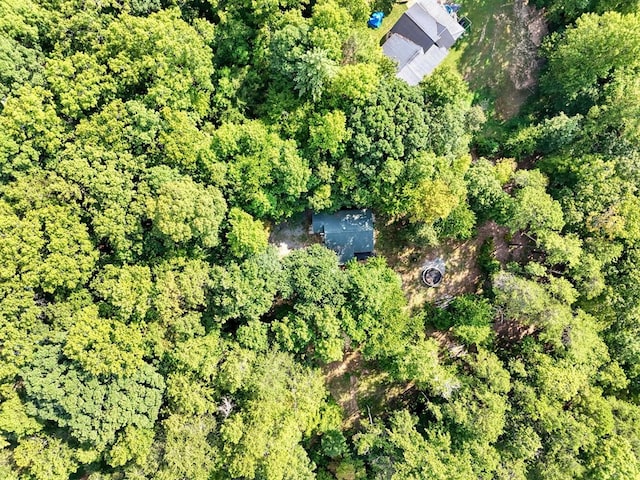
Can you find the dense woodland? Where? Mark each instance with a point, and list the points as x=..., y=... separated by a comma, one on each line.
x=148, y=330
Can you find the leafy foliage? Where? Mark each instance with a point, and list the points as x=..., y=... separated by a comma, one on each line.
x=149, y=331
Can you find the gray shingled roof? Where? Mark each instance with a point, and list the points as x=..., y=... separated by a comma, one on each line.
x=441, y=16
x=414, y=31
x=401, y=49
x=425, y=21
x=420, y=39
x=422, y=65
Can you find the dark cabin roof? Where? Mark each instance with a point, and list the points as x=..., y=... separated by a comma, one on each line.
x=349, y=233
x=409, y=29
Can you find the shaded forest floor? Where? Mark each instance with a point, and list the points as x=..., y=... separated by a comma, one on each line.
x=361, y=389
x=462, y=274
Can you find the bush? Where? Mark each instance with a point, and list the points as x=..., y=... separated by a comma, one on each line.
x=383, y=6
x=459, y=224
x=333, y=443
x=487, y=261
x=469, y=317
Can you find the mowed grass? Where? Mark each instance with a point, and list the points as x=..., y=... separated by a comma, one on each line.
x=498, y=47
x=490, y=55
x=482, y=55
x=387, y=22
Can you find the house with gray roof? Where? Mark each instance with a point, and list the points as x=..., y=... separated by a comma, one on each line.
x=349, y=233
x=421, y=39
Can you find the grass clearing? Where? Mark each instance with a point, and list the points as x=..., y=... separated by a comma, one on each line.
x=499, y=55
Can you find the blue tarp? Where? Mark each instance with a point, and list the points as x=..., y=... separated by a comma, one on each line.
x=375, y=20
x=452, y=8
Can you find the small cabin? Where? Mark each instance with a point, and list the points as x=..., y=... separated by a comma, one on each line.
x=349, y=233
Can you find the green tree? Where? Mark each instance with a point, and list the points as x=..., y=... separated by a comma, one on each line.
x=312, y=275
x=246, y=236
x=485, y=190
x=92, y=409
x=79, y=83
x=246, y=290
x=183, y=145
x=31, y=129
x=587, y=54
x=452, y=122
x=533, y=208
x=132, y=445
x=401, y=451
x=353, y=84
x=41, y=458
x=50, y=247
x=161, y=56
x=421, y=364
x=469, y=318
x=183, y=210
x=280, y=408
x=377, y=304
x=180, y=296
x=312, y=72
x=315, y=285
x=104, y=347
x=266, y=176
x=188, y=450
x=21, y=56
x=126, y=290
x=395, y=156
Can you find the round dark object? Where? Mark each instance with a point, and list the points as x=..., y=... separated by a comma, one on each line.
x=431, y=277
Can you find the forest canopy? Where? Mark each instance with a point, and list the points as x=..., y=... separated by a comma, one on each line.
x=148, y=328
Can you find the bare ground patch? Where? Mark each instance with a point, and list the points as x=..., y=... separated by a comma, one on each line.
x=360, y=388
x=529, y=28
x=293, y=234
x=462, y=274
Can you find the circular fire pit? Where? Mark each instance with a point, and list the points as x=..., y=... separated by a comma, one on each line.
x=431, y=277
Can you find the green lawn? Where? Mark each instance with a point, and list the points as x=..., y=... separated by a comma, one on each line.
x=496, y=51
x=483, y=55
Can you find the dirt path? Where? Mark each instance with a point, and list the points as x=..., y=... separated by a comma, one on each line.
x=342, y=381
